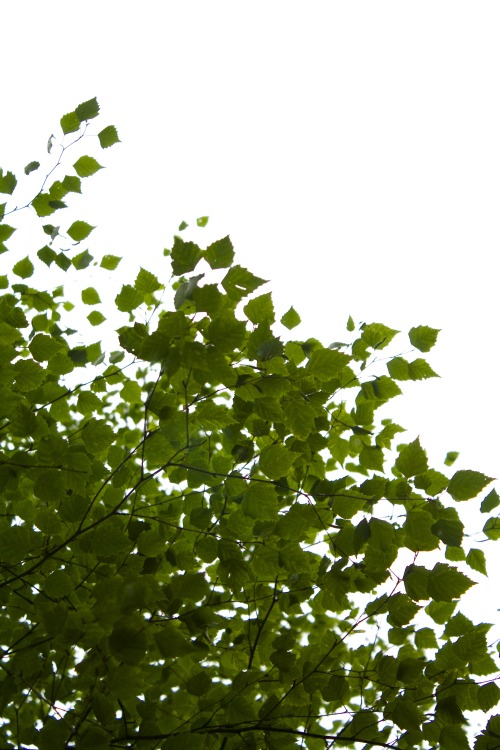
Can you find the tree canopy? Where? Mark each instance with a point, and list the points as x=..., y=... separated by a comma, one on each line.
x=209, y=537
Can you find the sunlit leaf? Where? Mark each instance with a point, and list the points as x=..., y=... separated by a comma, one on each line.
x=86, y=166
x=423, y=337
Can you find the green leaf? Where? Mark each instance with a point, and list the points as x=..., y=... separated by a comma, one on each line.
x=87, y=110
x=8, y=182
x=97, y=436
x=476, y=560
x=492, y=528
x=412, y=460
x=290, y=319
x=108, y=137
x=416, y=580
x=86, y=166
x=70, y=123
x=406, y=714
x=43, y=347
x=41, y=204
x=440, y=611
x=128, y=299
x=219, y=254
x=79, y=230
x=261, y=502
x=186, y=291
x=82, y=260
x=31, y=167
x=326, y=364
x=24, y=268
x=202, y=221
x=72, y=184
x=423, y=337
x=110, y=262
x=453, y=737
x=425, y=638
x=377, y=335
x=350, y=324
x=447, y=583
x=488, y=696
x=260, y=309
x=419, y=369
x=90, y=296
x=5, y=232
x=146, y=282
x=465, y=485
x=185, y=256
x=419, y=531
x=449, y=530
x=275, y=461
x=451, y=457
x=238, y=283
x=491, y=501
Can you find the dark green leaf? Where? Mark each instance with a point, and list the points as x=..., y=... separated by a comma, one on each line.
x=108, y=137
x=31, y=167
x=5, y=232
x=491, y=501
x=82, y=260
x=238, y=283
x=87, y=110
x=8, y=182
x=465, y=485
x=447, y=583
x=185, y=256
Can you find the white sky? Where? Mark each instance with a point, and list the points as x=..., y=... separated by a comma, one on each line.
x=350, y=149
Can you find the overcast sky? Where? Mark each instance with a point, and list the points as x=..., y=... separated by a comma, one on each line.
x=350, y=149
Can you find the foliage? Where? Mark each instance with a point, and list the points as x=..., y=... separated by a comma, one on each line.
x=208, y=537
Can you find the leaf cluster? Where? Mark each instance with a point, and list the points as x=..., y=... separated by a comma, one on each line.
x=214, y=542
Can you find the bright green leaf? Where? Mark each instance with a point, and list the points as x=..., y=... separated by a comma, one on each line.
x=423, y=337
x=86, y=166
x=24, y=268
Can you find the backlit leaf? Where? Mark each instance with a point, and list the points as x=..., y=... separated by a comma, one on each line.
x=108, y=137
x=23, y=268
x=87, y=110
x=290, y=319
x=86, y=166
x=465, y=485
x=423, y=337
x=412, y=459
x=79, y=230
x=447, y=583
